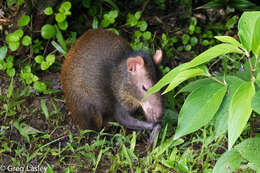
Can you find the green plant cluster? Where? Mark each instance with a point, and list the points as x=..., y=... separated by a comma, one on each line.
x=230, y=102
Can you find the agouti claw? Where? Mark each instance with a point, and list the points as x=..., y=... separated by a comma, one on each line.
x=156, y=130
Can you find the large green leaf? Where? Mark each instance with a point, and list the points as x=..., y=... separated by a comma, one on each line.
x=256, y=38
x=204, y=57
x=228, y=162
x=239, y=111
x=221, y=117
x=213, y=52
x=166, y=79
x=199, y=108
x=228, y=39
x=256, y=102
x=250, y=150
x=184, y=75
x=246, y=27
x=191, y=86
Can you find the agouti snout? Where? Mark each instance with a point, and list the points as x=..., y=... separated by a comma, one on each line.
x=103, y=78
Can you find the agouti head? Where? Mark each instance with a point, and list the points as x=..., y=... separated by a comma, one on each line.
x=142, y=74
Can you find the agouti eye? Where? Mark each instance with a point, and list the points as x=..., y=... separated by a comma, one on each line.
x=145, y=89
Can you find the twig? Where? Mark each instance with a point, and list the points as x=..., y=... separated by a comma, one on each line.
x=144, y=5
x=214, y=78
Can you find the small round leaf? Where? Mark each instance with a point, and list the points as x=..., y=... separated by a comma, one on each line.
x=24, y=20
x=19, y=33
x=13, y=46
x=48, y=31
x=147, y=35
x=66, y=5
x=39, y=59
x=10, y=72
x=48, y=11
x=27, y=40
x=63, y=25
x=12, y=37
x=39, y=86
x=60, y=17
x=44, y=65
x=50, y=59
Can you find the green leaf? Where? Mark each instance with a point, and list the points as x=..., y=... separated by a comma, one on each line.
x=10, y=72
x=45, y=109
x=66, y=5
x=21, y=131
x=142, y=25
x=95, y=22
x=258, y=79
x=19, y=33
x=2, y=65
x=50, y=59
x=138, y=15
x=165, y=80
x=10, y=89
x=147, y=35
x=58, y=47
x=19, y=2
x=29, y=130
x=256, y=102
x=24, y=20
x=184, y=75
x=250, y=150
x=27, y=40
x=13, y=46
x=39, y=86
x=3, y=51
x=112, y=4
x=199, y=108
x=39, y=59
x=228, y=162
x=220, y=49
x=48, y=11
x=191, y=86
x=221, y=117
x=239, y=111
x=60, y=17
x=48, y=31
x=228, y=39
x=246, y=27
x=63, y=25
x=61, y=40
x=10, y=3
x=109, y=18
x=44, y=65
x=256, y=38
x=12, y=37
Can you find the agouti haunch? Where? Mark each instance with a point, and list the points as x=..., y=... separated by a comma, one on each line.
x=104, y=79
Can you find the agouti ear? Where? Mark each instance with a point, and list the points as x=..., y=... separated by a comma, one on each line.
x=157, y=58
x=134, y=62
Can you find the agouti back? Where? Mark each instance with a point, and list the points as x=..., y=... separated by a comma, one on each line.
x=104, y=79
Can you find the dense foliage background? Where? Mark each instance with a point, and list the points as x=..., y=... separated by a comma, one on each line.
x=216, y=77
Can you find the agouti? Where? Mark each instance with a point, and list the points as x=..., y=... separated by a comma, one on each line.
x=104, y=79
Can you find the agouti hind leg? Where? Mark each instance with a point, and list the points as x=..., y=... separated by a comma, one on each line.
x=87, y=117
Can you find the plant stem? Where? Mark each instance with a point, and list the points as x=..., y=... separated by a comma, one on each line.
x=144, y=5
x=214, y=78
x=252, y=68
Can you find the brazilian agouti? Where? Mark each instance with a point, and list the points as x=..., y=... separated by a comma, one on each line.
x=104, y=79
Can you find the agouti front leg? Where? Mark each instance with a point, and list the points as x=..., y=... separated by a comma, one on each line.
x=123, y=117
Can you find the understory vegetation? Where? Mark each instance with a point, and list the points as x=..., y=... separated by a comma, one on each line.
x=210, y=82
